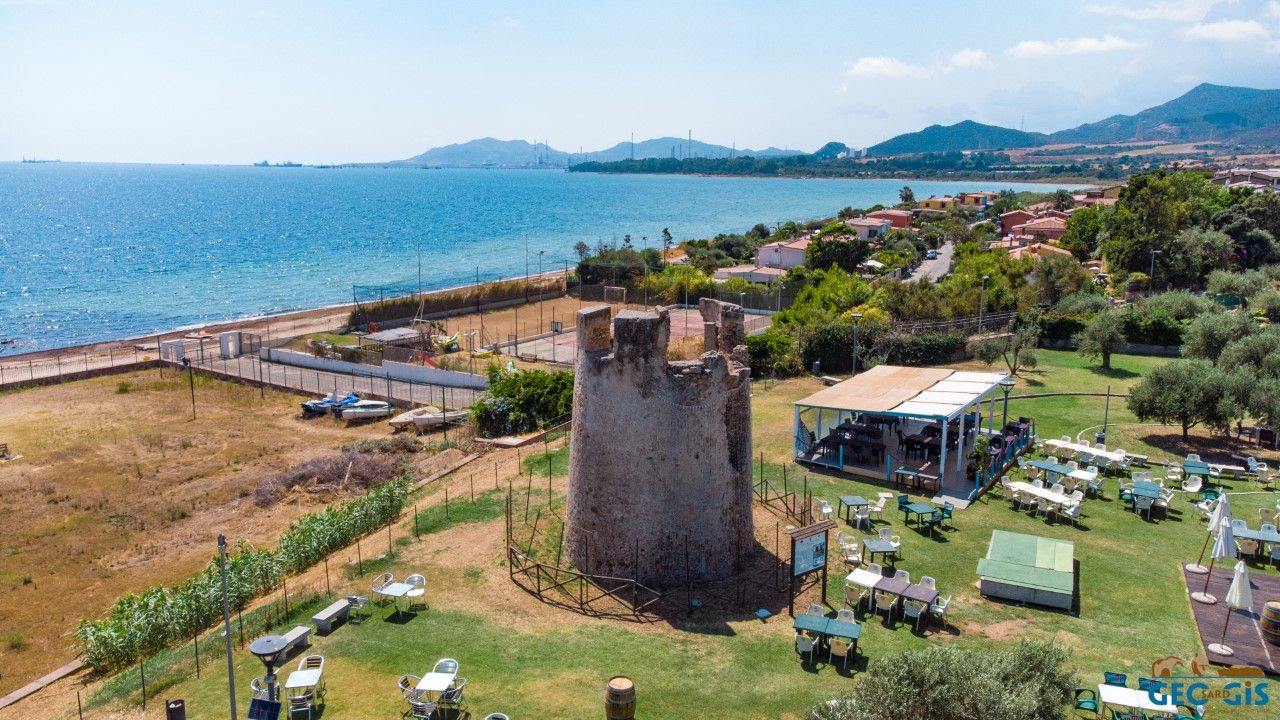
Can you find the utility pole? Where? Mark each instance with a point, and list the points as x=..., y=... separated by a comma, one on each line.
x=191, y=379
x=226, y=624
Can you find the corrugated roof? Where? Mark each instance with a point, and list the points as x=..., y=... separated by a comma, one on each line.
x=914, y=392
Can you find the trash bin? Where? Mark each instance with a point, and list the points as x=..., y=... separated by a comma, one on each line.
x=1100, y=437
x=175, y=710
x=817, y=367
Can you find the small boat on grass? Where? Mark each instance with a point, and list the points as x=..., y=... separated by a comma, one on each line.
x=427, y=421
x=365, y=409
x=328, y=402
x=404, y=420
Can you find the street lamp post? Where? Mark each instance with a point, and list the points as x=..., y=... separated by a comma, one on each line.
x=857, y=320
x=1006, y=385
x=1151, y=274
x=191, y=380
x=982, y=297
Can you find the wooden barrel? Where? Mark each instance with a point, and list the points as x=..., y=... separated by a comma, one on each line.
x=620, y=699
x=1270, y=622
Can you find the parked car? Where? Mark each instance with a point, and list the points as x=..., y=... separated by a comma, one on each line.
x=930, y=254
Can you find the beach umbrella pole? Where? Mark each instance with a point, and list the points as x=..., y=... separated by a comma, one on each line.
x=1198, y=568
x=1221, y=647
x=1203, y=596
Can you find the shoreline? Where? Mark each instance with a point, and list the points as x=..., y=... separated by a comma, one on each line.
x=303, y=321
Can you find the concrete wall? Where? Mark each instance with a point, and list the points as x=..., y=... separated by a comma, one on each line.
x=661, y=452
x=393, y=370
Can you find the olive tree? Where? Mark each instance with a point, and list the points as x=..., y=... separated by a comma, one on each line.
x=1188, y=393
x=1103, y=336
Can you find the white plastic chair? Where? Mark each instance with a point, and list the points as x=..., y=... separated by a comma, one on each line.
x=854, y=595
x=1072, y=512
x=861, y=515
x=1192, y=484
x=805, y=645
x=885, y=603
x=1143, y=502
x=846, y=615
x=914, y=609
x=816, y=609
x=939, y=607
x=902, y=575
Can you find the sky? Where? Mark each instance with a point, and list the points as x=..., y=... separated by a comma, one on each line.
x=322, y=82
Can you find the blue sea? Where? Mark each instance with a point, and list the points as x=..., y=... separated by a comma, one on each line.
x=93, y=252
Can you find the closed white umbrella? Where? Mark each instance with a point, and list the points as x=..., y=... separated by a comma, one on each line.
x=1224, y=546
x=1239, y=597
x=1221, y=513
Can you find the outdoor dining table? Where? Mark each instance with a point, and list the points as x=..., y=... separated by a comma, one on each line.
x=1262, y=537
x=1111, y=455
x=302, y=679
x=1195, y=467
x=829, y=627
x=851, y=501
x=1147, y=489
x=1134, y=699
x=917, y=509
x=1042, y=493
x=864, y=578
x=1061, y=469
x=436, y=682
x=876, y=546
x=1218, y=470
x=395, y=591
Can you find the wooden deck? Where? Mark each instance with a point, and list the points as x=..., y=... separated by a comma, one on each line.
x=1243, y=635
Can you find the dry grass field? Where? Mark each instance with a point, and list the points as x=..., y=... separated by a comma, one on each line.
x=118, y=488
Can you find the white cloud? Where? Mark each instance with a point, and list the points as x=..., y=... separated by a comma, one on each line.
x=1069, y=46
x=884, y=66
x=510, y=22
x=1171, y=10
x=969, y=59
x=1273, y=9
x=1229, y=31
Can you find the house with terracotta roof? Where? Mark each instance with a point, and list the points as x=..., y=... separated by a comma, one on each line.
x=782, y=255
x=1268, y=179
x=1050, y=227
x=1009, y=220
x=750, y=273
x=1037, y=251
x=896, y=218
x=869, y=228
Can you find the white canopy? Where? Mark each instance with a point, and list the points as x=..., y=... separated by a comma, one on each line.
x=907, y=392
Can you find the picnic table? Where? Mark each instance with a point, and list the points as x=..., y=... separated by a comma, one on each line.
x=1217, y=470
x=905, y=473
x=302, y=679
x=1135, y=699
x=917, y=509
x=395, y=591
x=851, y=501
x=864, y=578
x=876, y=546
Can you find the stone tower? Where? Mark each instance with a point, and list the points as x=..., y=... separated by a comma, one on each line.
x=661, y=451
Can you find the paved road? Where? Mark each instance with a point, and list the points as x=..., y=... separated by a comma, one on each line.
x=935, y=269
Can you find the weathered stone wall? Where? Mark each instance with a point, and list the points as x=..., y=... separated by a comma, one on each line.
x=661, y=452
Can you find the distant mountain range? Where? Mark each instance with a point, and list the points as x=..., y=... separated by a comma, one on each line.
x=1206, y=112
x=490, y=152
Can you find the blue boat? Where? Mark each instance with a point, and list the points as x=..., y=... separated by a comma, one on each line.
x=327, y=403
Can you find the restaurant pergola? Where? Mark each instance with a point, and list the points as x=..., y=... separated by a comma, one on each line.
x=834, y=426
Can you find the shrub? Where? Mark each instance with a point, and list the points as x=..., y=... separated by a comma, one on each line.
x=520, y=402
x=1153, y=327
x=396, y=444
x=123, y=388
x=1027, y=682
x=1180, y=305
x=1061, y=327
x=773, y=352
x=922, y=349
x=1082, y=303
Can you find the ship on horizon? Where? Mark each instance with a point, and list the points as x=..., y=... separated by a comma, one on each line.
x=37, y=161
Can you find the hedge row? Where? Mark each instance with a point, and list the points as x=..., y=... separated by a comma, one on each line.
x=139, y=625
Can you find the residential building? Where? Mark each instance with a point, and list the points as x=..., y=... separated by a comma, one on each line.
x=782, y=255
x=1013, y=218
x=1037, y=251
x=750, y=273
x=896, y=218
x=937, y=203
x=1050, y=227
x=1268, y=179
x=868, y=228
x=979, y=200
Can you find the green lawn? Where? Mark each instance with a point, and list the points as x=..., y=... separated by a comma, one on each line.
x=530, y=660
